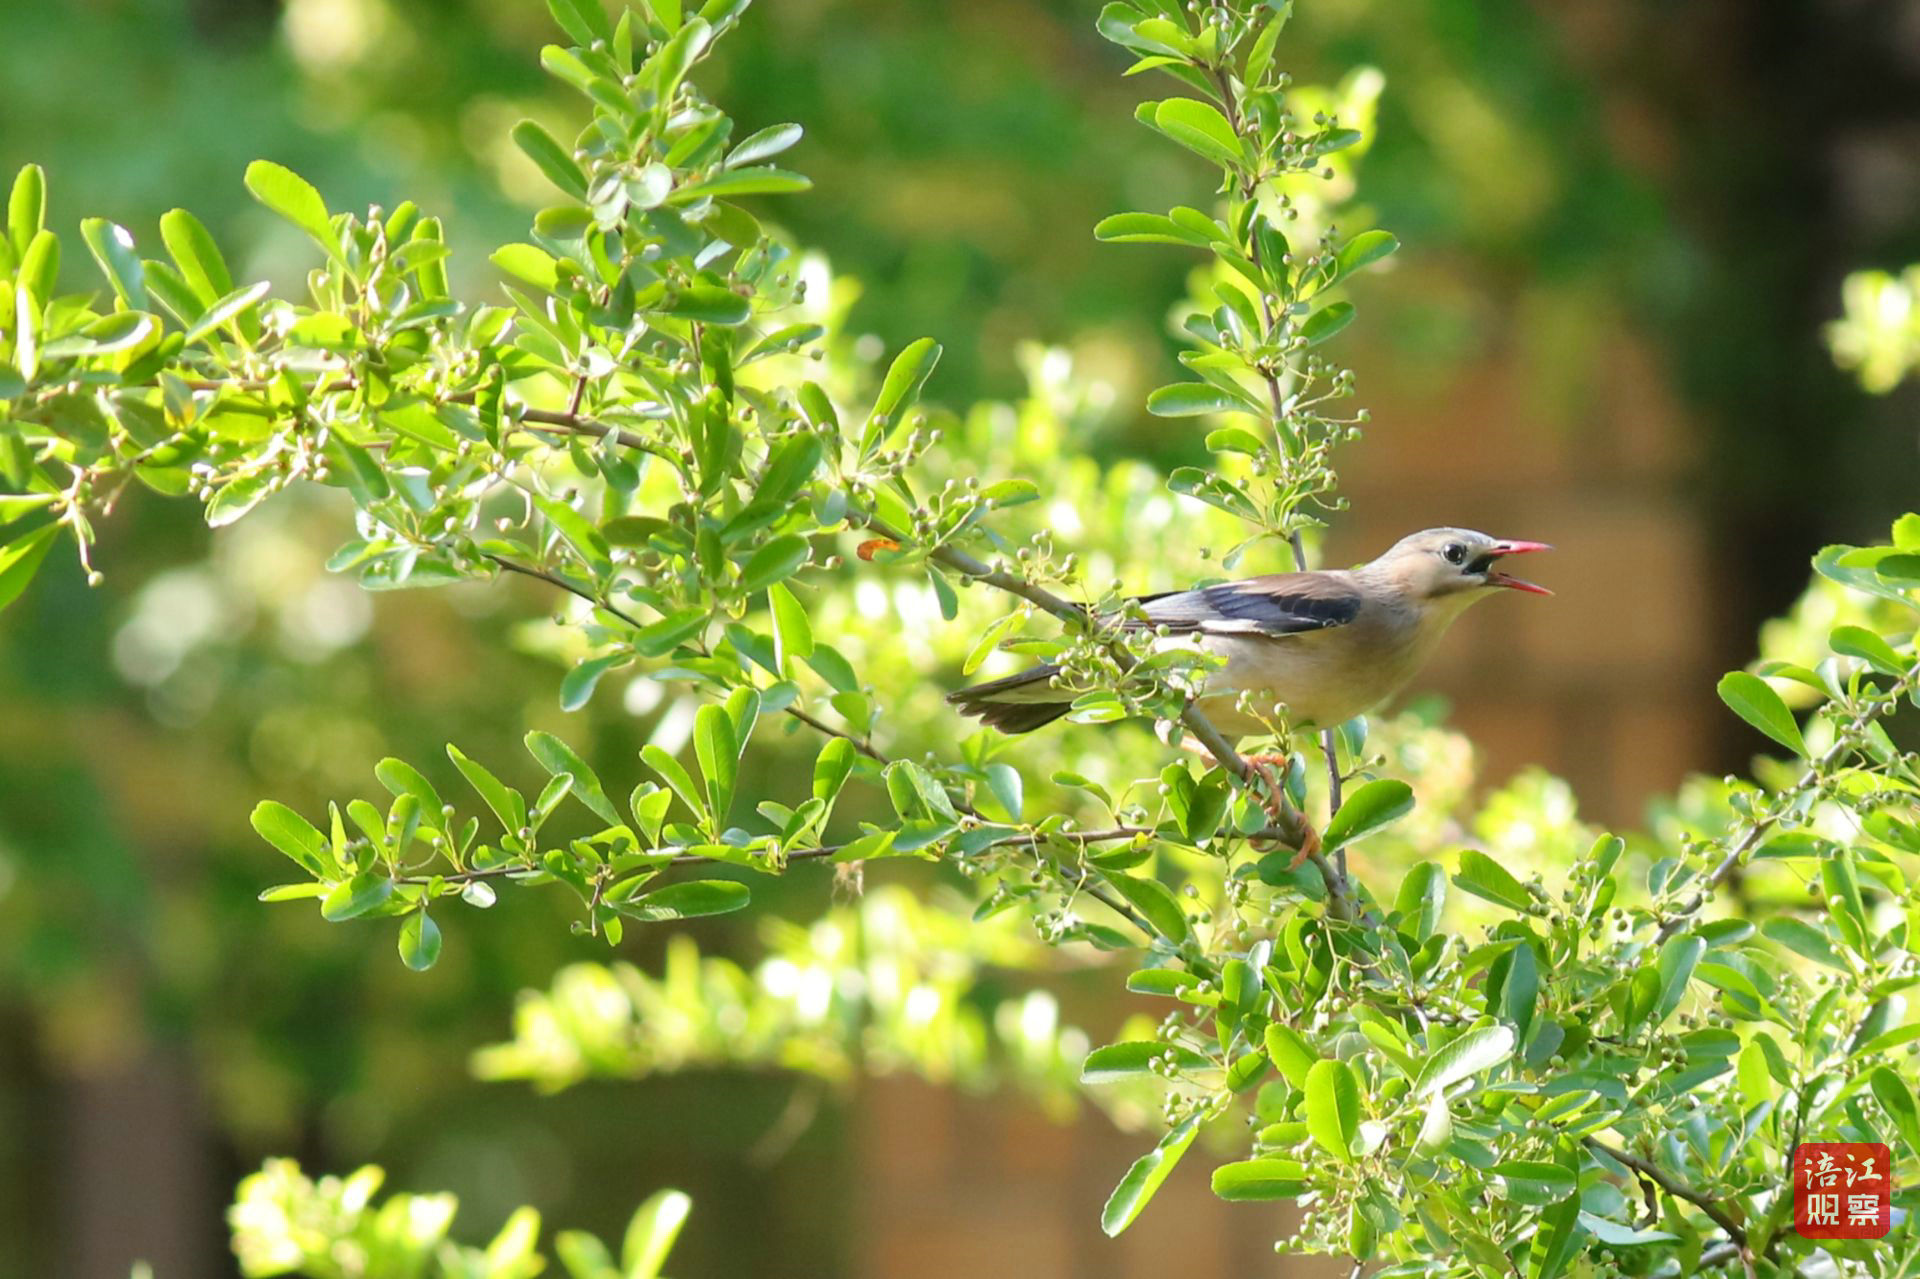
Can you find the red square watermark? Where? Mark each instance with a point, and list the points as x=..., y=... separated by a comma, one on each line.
x=1842, y=1189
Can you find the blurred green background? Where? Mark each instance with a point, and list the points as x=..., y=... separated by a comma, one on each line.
x=1628, y=219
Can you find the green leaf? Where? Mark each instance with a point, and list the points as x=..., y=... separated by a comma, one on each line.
x=1471, y=1053
x=1326, y=322
x=351, y=898
x=758, y=180
x=561, y=760
x=236, y=498
x=26, y=208
x=792, y=631
x=584, y=22
x=1535, y=1181
x=20, y=560
x=1233, y=439
x=1367, y=809
x=907, y=374
x=40, y=270
x=1004, y=781
x=718, y=751
x=656, y=1224
x=294, y=198
x=708, y=304
x=1896, y=1098
x=577, y=531
x=293, y=892
x=1679, y=956
x=1616, y=1235
x=552, y=158
x=236, y=307
x=14, y=505
x=1484, y=877
x=678, y=55
x=528, y=262
x=1753, y=699
x=577, y=685
x=1145, y=1178
x=1160, y=981
x=1116, y=1063
x=688, y=899
x=401, y=778
x=776, y=561
x=1855, y=568
x=1200, y=128
x=764, y=145
x=1363, y=250
x=1333, y=1108
x=1148, y=228
x=194, y=252
x=112, y=247
x=419, y=941
x=1156, y=902
x=1291, y=1054
x=1553, y=1241
x=1194, y=399
x=1256, y=1180
x=1436, y=1125
x=507, y=805
x=1803, y=939
x=1422, y=896
x=1522, y=988
x=293, y=835
x=1847, y=909
x=1899, y=567
x=831, y=768
x=1858, y=641
x=674, y=773
x=988, y=641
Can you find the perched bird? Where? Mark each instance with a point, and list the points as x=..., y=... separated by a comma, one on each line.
x=1326, y=646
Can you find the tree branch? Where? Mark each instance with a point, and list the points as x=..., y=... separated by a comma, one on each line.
x=1098, y=891
x=1844, y=741
x=1080, y=878
x=1676, y=1188
x=1335, y=874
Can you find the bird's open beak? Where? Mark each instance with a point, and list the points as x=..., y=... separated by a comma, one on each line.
x=1514, y=583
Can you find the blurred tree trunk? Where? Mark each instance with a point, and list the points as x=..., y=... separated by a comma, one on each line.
x=136, y=1174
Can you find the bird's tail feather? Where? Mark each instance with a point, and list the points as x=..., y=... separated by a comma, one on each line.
x=1017, y=704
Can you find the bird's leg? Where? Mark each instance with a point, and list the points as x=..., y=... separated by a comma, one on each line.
x=1264, y=765
x=1275, y=798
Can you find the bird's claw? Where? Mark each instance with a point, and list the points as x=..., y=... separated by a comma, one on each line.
x=1308, y=845
x=1275, y=804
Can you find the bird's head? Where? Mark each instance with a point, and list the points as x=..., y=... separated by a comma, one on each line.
x=1454, y=564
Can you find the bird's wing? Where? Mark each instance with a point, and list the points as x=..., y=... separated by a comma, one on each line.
x=1276, y=604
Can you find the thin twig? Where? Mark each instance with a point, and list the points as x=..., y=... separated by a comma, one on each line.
x=1816, y=769
x=1100, y=892
x=819, y=725
x=1080, y=878
x=1676, y=1188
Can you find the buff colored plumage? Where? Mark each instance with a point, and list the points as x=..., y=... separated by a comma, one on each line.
x=1323, y=646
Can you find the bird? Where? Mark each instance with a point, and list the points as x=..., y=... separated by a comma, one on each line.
x=1319, y=647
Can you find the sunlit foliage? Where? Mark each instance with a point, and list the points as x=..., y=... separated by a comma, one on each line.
x=1596, y=1072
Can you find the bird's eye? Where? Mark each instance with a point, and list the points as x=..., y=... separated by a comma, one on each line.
x=1454, y=553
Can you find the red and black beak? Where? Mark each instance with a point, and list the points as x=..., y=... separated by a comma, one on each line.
x=1513, y=583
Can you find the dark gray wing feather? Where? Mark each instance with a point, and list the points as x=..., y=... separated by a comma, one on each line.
x=1276, y=604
